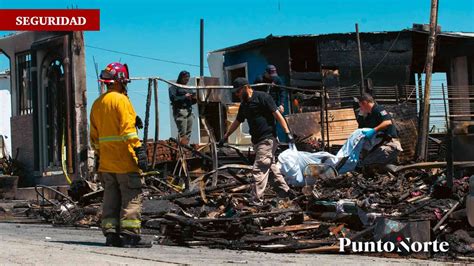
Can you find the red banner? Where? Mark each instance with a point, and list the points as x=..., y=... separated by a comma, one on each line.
x=50, y=19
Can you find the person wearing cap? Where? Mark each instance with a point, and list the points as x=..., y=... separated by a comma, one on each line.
x=182, y=100
x=260, y=111
x=378, y=127
x=279, y=95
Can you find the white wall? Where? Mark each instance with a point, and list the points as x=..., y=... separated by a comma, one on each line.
x=5, y=109
x=215, y=61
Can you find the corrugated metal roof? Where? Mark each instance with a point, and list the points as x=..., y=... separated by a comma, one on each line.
x=261, y=41
x=458, y=34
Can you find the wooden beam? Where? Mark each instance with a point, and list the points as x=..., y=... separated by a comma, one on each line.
x=291, y=228
x=306, y=75
x=325, y=249
x=305, y=83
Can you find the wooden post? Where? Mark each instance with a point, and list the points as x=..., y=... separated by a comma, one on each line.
x=362, y=85
x=323, y=126
x=429, y=69
x=69, y=101
x=147, y=115
x=420, y=89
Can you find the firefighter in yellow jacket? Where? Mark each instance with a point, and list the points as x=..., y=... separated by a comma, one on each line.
x=121, y=159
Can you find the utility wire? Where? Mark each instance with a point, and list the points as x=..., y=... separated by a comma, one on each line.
x=144, y=57
x=385, y=55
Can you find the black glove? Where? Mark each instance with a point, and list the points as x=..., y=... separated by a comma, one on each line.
x=221, y=142
x=138, y=122
x=142, y=158
x=291, y=140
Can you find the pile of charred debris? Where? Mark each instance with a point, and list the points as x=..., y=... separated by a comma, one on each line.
x=407, y=202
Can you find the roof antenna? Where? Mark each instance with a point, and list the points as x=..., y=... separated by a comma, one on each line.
x=96, y=66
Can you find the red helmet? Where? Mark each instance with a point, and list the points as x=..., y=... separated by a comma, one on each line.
x=115, y=72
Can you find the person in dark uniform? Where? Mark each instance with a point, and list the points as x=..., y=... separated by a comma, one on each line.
x=378, y=127
x=182, y=101
x=260, y=112
x=279, y=95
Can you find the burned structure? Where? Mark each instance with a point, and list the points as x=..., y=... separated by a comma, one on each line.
x=389, y=58
x=48, y=97
x=213, y=208
x=393, y=64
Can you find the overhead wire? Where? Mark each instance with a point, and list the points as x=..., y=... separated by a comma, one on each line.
x=144, y=57
x=385, y=55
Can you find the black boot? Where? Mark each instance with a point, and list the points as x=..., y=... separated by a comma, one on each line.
x=135, y=241
x=113, y=240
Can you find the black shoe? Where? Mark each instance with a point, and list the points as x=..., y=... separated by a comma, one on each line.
x=113, y=240
x=135, y=241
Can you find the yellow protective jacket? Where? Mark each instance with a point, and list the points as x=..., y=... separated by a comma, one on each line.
x=113, y=133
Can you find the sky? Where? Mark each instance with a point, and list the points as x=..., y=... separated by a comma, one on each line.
x=169, y=30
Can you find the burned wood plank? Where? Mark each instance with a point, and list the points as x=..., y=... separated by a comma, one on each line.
x=438, y=225
x=427, y=165
x=190, y=221
x=198, y=192
x=221, y=241
x=291, y=228
x=87, y=198
x=305, y=83
x=261, y=238
x=325, y=249
x=157, y=223
x=277, y=248
x=182, y=220
x=240, y=188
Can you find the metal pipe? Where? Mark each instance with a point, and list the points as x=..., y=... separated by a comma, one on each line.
x=99, y=84
x=67, y=82
x=362, y=86
x=445, y=106
x=420, y=89
x=323, y=126
x=327, y=115
x=226, y=87
x=201, y=50
x=449, y=144
x=157, y=123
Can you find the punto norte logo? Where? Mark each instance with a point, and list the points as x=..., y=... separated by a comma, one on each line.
x=403, y=245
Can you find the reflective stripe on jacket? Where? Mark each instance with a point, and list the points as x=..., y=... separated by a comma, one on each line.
x=113, y=133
